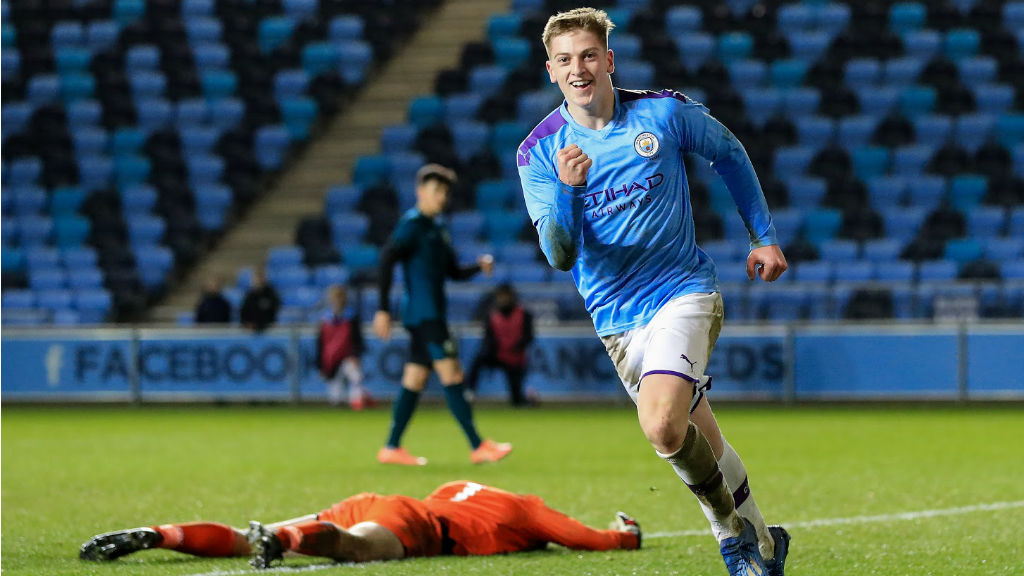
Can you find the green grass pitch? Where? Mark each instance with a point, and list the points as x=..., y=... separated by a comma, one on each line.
x=839, y=476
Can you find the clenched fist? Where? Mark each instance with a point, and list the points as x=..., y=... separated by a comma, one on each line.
x=573, y=165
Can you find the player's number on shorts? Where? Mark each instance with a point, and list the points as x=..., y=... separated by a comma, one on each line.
x=470, y=489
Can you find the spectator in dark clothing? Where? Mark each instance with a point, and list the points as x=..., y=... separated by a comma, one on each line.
x=339, y=345
x=213, y=307
x=508, y=332
x=259, y=309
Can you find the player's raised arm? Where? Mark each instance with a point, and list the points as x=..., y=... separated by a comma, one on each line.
x=556, y=205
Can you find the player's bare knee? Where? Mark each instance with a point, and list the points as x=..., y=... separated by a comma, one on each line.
x=665, y=434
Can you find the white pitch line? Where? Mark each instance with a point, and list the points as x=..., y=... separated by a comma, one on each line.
x=995, y=506
x=879, y=518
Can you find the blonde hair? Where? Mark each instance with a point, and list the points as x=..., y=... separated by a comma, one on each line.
x=587, y=19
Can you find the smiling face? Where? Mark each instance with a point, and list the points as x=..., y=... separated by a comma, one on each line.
x=581, y=65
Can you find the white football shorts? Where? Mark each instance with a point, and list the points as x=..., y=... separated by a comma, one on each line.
x=678, y=341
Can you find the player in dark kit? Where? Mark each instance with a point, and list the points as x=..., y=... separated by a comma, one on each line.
x=424, y=247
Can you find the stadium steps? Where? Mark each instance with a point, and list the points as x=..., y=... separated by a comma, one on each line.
x=330, y=157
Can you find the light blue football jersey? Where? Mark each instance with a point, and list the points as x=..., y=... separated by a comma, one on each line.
x=628, y=233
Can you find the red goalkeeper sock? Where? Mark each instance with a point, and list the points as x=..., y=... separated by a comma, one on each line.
x=208, y=539
x=313, y=538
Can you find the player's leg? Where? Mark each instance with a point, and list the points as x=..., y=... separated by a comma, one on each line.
x=735, y=477
x=515, y=375
x=364, y=542
x=353, y=372
x=206, y=539
x=414, y=378
x=550, y=525
x=335, y=388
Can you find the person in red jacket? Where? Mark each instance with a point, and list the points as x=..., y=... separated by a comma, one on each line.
x=339, y=345
x=508, y=332
x=459, y=518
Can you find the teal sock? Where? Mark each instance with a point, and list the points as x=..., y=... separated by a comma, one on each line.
x=456, y=398
x=405, y=405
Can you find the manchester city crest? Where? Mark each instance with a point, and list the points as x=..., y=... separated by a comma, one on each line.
x=646, y=144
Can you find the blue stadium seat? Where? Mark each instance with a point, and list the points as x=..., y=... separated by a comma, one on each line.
x=886, y=192
x=301, y=297
x=926, y=191
x=917, y=101
x=101, y=34
x=1012, y=270
x=67, y=34
x=936, y=270
x=72, y=59
x=360, y=257
x=14, y=298
x=906, y=17
x=54, y=299
x=154, y=263
x=869, y=162
x=342, y=199
x=806, y=192
x=634, y=74
x=192, y=112
x=292, y=82
x=204, y=168
x=785, y=303
x=747, y=74
x=142, y=57
x=902, y=72
x=126, y=12
x=93, y=305
x=138, y=199
x=815, y=131
x=348, y=228
x=856, y=130
x=211, y=56
x=732, y=46
x=793, y=161
x=693, y=49
x=511, y=52
x=903, y=224
x=859, y=72
x=963, y=250
x=1010, y=129
x=1003, y=249
x=487, y=80
x=961, y=43
x=300, y=9
x=131, y=169
x=34, y=230
x=145, y=230
x=536, y=104
x=1013, y=15
x=355, y=57
x=192, y=8
x=761, y=104
x=79, y=257
x=911, y=161
x=973, y=130
x=881, y=249
x=976, y=70
x=198, y=139
x=345, y=27
x=370, y=171
x=203, y=30
x=462, y=108
x=814, y=271
x=299, y=114
x=329, y=275
x=218, y=84
x=426, y=111
x=47, y=279
x=16, y=116
x=398, y=137
x=284, y=256
x=787, y=73
x=85, y=278
x=809, y=46
x=71, y=230
x=287, y=278
x=922, y=44
x=274, y=31
x=41, y=258
x=517, y=253
x=680, y=19
x=501, y=227
x=895, y=271
x=466, y=225
x=319, y=57
x=154, y=114
x=821, y=224
x=627, y=46
x=146, y=84
x=993, y=98
x=854, y=271
x=80, y=113
x=839, y=250
x=226, y=113
x=967, y=190
x=932, y=128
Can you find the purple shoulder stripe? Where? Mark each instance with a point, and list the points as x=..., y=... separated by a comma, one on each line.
x=547, y=127
x=631, y=95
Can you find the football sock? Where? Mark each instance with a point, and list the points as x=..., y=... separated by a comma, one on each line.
x=208, y=539
x=313, y=538
x=695, y=464
x=736, y=478
x=405, y=405
x=455, y=396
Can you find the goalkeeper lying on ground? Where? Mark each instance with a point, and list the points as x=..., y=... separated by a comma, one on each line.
x=458, y=518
